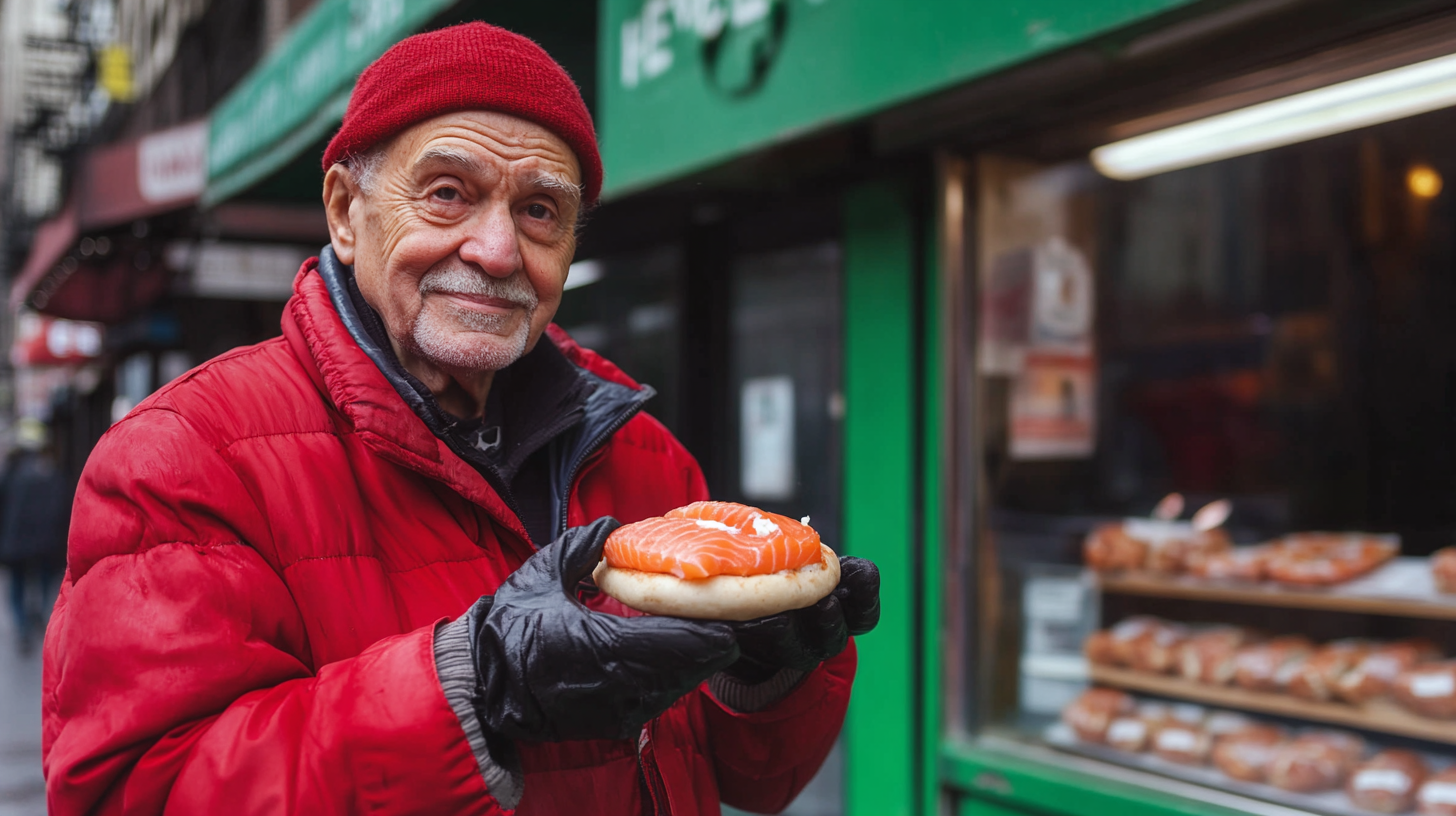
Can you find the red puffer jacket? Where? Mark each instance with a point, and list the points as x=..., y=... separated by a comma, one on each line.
x=259, y=558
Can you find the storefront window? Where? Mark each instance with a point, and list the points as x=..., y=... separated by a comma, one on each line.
x=627, y=311
x=786, y=410
x=1275, y=331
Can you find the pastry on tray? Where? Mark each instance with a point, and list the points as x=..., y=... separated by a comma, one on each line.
x=1373, y=675
x=1443, y=569
x=1437, y=797
x=1428, y=690
x=1388, y=781
x=1090, y=715
x=1327, y=559
x=1315, y=762
x=1245, y=754
x=1270, y=665
x=1316, y=678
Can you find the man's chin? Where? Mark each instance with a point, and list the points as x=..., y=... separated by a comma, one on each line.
x=470, y=350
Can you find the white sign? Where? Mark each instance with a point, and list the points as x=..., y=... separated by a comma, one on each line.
x=767, y=406
x=172, y=164
x=1062, y=304
x=238, y=271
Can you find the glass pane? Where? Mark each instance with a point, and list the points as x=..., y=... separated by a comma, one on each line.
x=787, y=408
x=628, y=313
x=1275, y=330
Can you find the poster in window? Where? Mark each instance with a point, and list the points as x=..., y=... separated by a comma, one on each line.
x=1006, y=311
x=1054, y=406
x=1061, y=313
x=767, y=411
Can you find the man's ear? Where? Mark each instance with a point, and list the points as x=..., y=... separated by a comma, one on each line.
x=340, y=191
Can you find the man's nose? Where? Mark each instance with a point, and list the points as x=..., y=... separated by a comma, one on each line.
x=492, y=243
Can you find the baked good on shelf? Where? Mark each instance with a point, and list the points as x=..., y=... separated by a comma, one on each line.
x=1372, y=675
x=1237, y=564
x=1129, y=734
x=1315, y=678
x=1161, y=547
x=1173, y=545
x=1098, y=648
x=1269, y=665
x=1158, y=653
x=1437, y=797
x=1221, y=724
x=1208, y=656
x=1388, y=781
x=1129, y=637
x=1184, y=743
x=1154, y=713
x=1090, y=715
x=1317, y=761
x=1108, y=548
x=1246, y=753
x=1443, y=569
x=1428, y=690
x=1326, y=559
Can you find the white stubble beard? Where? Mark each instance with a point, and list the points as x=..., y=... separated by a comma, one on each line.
x=467, y=340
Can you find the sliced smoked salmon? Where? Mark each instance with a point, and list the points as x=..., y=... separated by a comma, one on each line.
x=705, y=539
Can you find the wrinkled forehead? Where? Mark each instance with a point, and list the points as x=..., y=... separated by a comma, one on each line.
x=486, y=146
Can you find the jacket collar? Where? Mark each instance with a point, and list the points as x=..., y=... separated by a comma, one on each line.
x=360, y=376
x=531, y=402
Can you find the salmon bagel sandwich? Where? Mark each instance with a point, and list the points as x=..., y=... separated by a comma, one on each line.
x=717, y=561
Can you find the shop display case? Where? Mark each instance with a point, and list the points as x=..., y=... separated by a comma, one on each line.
x=1209, y=418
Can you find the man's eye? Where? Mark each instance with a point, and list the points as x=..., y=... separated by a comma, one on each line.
x=538, y=211
x=447, y=194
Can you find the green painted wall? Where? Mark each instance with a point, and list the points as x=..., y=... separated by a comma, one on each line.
x=684, y=84
x=970, y=806
x=879, y=466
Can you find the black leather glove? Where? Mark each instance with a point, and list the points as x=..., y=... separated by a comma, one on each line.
x=803, y=638
x=550, y=669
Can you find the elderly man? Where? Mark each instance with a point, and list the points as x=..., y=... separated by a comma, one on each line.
x=304, y=577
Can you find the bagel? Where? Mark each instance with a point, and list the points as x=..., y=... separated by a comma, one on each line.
x=721, y=597
x=717, y=561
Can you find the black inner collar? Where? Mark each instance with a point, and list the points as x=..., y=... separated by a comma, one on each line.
x=531, y=402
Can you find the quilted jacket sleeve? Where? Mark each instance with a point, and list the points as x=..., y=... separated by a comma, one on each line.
x=764, y=758
x=177, y=672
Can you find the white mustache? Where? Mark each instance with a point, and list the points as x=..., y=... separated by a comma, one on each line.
x=461, y=280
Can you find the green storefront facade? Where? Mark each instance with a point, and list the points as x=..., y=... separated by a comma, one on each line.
x=903, y=116
x=809, y=205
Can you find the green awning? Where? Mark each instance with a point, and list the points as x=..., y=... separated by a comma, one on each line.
x=299, y=91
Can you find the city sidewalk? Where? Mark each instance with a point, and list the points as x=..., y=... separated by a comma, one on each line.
x=22, y=788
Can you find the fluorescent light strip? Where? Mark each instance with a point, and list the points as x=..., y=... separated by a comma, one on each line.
x=1370, y=100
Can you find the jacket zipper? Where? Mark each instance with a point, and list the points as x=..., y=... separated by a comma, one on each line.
x=651, y=774
x=568, y=483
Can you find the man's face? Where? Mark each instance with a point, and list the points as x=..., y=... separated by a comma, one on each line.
x=463, y=238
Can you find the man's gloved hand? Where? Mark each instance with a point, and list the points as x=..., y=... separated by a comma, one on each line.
x=550, y=669
x=803, y=638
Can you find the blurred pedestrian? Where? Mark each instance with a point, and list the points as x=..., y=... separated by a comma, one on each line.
x=35, y=504
x=340, y=571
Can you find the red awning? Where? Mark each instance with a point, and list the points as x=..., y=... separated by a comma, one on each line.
x=53, y=239
x=104, y=291
x=156, y=173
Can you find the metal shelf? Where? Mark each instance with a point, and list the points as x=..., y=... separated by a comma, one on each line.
x=1401, y=588
x=1378, y=715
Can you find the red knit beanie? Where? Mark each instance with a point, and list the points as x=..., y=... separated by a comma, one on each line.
x=474, y=66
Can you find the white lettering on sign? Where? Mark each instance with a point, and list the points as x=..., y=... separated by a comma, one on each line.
x=172, y=164
x=647, y=38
